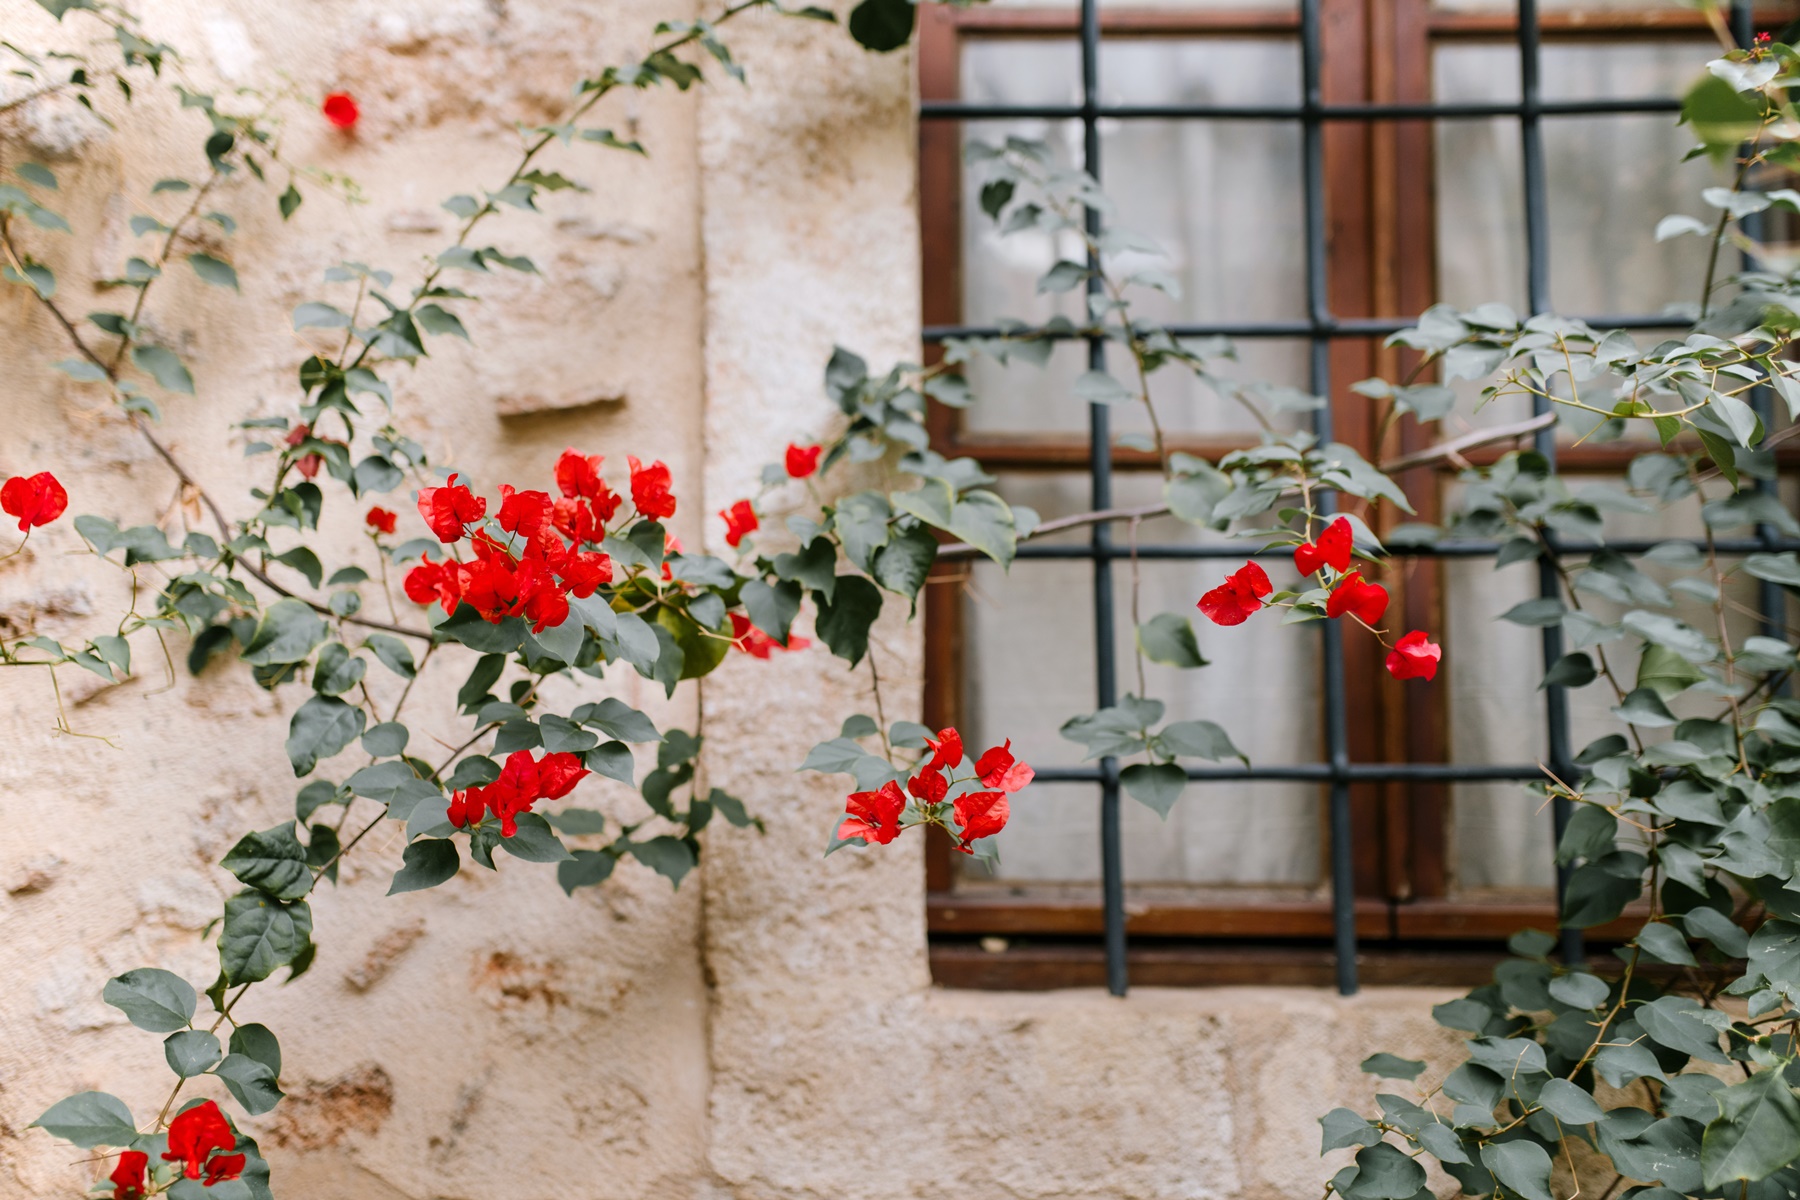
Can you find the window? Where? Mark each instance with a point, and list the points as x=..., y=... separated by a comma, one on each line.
x=1458, y=150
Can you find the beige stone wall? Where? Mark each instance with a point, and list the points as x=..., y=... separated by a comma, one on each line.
x=767, y=1032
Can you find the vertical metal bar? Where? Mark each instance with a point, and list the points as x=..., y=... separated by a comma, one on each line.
x=1318, y=315
x=1537, y=289
x=1112, y=857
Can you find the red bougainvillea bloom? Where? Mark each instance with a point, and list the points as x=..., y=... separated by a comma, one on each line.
x=449, y=508
x=523, y=513
x=432, y=581
x=380, y=520
x=928, y=785
x=223, y=1167
x=999, y=769
x=947, y=750
x=740, y=520
x=874, y=816
x=575, y=520
x=340, y=109
x=1414, y=656
x=1332, y=549
x=128, y=1176
x=1239, y=598
x=803, y=460
x=195, y=1134
x=578, y=476
x=522, y=783
x=979, y=815
x=650, y=489
x=756, y=643
x=1356, y=596
x=586, y=571
x=34, y=499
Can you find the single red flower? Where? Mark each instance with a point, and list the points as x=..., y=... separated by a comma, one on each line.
x=1332, y=549
x=928, y=786
x=380, y=520
x=802, y=460
x=1414, y=656
x=756, y=643
x=873, y=816
x=740, y=520
x=433, y=581
x=650, y=489
x=1361, y=599
x=298, y=434
x=999, y=769
x=558, y=774
x=576, y=521
x=523, y=513
x=541, y=600
x=308, y=465
x=490, y=587
x=979, y=815
x=340, y=109
x=578, y=474
x=584, y=572
x=128, y=1175
x=946, y=751
x=466, y=807
x=224, y=1167
x=1239, y=598
x=195, y=1134
x=448, y=509
x=34, y=499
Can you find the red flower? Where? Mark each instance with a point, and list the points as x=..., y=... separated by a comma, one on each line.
x=128, y=1176
x=979, y=815
x=195, y=1134
x=523, y=513
x=35, y=499
x=1238, y=598
x=576, y=521
x=340, y=110
x=440, y=582
x=449, y=508
x=490, y=587
x=522, y=783
x=874, y=816
x=1362, y=600
x=947, y=750
x=541, y=601
x=802, y=460
x=1414, y=656
x=928, y=786
x=756, y=643
x=558, y=774
x=740, y=520
x=999, y=769
x=224, y=1167
x=1332, y=549
x=650, y=489
x=298, y=434
x=380, y=520
x=308, y=465
x=578, y=474
x=586, y=571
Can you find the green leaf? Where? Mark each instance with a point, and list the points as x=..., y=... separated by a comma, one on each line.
x=613, y=760
x=1570, y=671
x=83, y=371
x=903, y=563
x=1198, y=739
x=258, y=1042
x=273, y=860
x=1343, y=1127
x=1645, y=708
x=36, y=173
x=288, y=633
x=1672, y=1021
x=985, y=521
x=426, y=863
x=289, y=201
x=670, y=857
x=320, y=728
x=1522, y=1166
x=164, y=367
x=1579, y=990
x=386, y=739
x=1756, y=1133
x=1156, y=786
x=215, y=271
x=1392, y=1066
x=191, y=1052
x=260, y=935
x=585, y=868
x=1569, y=1103
x=153, y=999
x=1540, y=612
x=772, y=607
x=1384, y=1173
x=250, y=1083
x=843, y=623
x=618, y=719
x=882, y=25
x=1168, y=638
x=534, y=842
x=314, y=315
x=89, y=1119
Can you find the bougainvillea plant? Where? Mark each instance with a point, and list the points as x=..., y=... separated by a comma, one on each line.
x=573, y=576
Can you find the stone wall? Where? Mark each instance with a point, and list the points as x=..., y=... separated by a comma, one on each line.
x=768, y=1031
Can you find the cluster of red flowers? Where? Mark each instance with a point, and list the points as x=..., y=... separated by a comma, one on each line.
x=536, y=571
x=1240, y=597
x=522, y=783
x=194, y=1136
x=34, y=499
x=875, y=816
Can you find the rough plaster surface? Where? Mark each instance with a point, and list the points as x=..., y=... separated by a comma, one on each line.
x=767, y=1033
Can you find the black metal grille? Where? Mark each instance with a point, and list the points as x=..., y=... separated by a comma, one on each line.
x=1319, y=327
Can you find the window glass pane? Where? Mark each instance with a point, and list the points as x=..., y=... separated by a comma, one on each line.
x=1220, y=197
x=1029, y=666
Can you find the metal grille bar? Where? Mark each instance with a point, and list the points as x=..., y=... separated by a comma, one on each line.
x=1319, y=328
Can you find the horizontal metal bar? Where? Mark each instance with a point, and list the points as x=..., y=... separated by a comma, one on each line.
x=1346, y=327
x=964, y=110
x=1323, y=773
x=1448, y=548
